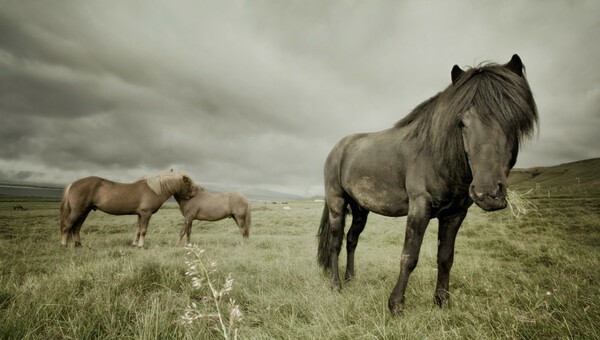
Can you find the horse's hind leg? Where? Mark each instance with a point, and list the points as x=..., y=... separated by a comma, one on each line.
x=71, y=224
x=337, y=216
x=77, y=228
x=66, y=232
x=359, y=219
x=240, y=220
x=448, y=228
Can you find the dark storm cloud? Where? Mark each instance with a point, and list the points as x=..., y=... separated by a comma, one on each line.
x=26, y=92
x=257, y=93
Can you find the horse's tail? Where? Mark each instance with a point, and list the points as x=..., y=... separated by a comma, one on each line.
x=247, y=222
x=65, y=209
x=324, y=251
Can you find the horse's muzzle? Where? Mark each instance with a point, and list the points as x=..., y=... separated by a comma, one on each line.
x=489, y=200
x=492, y=204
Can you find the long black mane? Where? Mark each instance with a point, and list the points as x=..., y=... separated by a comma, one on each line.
x=496, y=93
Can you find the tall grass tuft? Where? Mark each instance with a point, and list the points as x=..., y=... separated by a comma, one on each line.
x=214, y=303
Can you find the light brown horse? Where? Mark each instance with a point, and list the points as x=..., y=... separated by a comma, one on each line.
x=142, y=198
x=206, y=206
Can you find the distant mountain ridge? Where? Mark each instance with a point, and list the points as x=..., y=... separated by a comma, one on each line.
x=12, y=188
x=585, y=172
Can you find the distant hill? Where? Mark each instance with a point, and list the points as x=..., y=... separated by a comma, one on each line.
x=256, y=194
x=584, y=173
x=54, y=191
x=269, y=195
x=30, y=190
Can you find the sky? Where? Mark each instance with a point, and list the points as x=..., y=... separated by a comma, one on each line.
x=246, y=94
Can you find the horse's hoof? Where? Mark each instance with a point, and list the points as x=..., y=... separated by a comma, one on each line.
x=442, y=299
x=396, y=308
x=77, y=244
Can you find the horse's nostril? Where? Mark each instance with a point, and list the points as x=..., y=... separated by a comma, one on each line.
x=500, y=190
x=476, y=194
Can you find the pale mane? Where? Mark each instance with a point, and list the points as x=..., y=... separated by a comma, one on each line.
x=168, y=182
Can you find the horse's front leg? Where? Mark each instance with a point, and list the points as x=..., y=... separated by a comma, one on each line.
x=143, y=227
x=136, y=239
x=448, y=228
x=418, y=219
x=186, y=230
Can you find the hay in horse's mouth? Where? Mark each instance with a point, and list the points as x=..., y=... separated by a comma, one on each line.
x=520, y=205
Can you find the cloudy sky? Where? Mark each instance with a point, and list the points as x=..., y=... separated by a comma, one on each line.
x=256, y=93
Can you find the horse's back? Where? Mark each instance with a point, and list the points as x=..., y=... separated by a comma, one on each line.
x=238, y=203
x=112, y=197
x=85, y=186
x=94, y=185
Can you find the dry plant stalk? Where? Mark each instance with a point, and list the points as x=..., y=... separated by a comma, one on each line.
x=200, y=269
x=519, y=205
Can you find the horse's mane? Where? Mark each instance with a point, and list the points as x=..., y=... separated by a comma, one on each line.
x=496, y=93
x=168, y=182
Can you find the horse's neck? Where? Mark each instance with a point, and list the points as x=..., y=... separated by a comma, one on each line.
x=203, y=195
x=163, y=194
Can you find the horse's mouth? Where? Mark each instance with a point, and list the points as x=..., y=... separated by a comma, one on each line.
x=491, y=204
x=491, y=199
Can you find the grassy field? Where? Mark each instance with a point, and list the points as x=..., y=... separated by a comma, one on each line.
x=533, y=277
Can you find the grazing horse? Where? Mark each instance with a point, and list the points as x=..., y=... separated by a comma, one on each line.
x=142, y=198
x=454, y=149
x=206, y=206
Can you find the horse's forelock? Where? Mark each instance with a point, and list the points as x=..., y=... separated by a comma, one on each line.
x=496, y=93
x=505, y=98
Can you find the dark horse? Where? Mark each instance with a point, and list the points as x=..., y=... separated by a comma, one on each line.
x=454, y=149
x=142, y=198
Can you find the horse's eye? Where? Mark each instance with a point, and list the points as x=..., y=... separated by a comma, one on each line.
x=461, y=124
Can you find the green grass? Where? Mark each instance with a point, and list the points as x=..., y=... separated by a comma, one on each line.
x=532, y=277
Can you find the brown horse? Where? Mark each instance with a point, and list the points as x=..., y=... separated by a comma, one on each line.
x=142, y=198
x=206, y=206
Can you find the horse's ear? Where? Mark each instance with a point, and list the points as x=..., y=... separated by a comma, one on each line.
x=186, y=179
x=516, y=65
x=456, y=73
